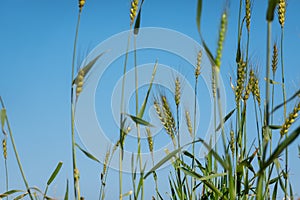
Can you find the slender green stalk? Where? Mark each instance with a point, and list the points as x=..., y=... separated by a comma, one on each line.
x=232, y=190
x=4, y=145
x=193, y=180
x=267, y=103
x=137, y=111
x=238, y=107
x=16, y=153
x=6, y=176
x=75, y=170
x=268, y=59
x=122, y=110
x=284, y=106
x=120, y=175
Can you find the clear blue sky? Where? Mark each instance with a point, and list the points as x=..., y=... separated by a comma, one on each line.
x=36, y=46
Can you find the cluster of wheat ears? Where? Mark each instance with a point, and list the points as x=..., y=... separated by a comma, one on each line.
x=239, y=171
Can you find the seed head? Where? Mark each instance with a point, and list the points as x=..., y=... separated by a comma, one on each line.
x=256, y=90
x=198, y=67
x=222, y=32
x=177, y=91
x=150, y=140
x=281, y=12
x=241, y=72
x=80, y=81
x=249, y=85
x=232, y=142
x=274, y=58
x=76, y=174
x=248, y=14
x=105, y=164
x=4, y=146
x=81, y=4
x=189, y=123
x=290, y=120
x=133, y=10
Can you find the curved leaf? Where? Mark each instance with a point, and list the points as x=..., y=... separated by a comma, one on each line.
x=141, y=113
x=54, y=173
x=87, y=153
x=5, y=194
x=139, y=120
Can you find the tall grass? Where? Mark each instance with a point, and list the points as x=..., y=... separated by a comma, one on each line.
x=240, y=169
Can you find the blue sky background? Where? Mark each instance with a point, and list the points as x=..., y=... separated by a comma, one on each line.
x=36, y=46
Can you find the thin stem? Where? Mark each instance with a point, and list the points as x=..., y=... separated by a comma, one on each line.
x=266, y=118
x=137, y=110
x=75, y=170
x=122, y=110
x=6, y=176
x=228, y=160
x=16, y=152
x=120, y=175
x=194, y=137
x=284, y=109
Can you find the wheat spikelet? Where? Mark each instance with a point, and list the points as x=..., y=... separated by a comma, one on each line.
x=281, y=12
x=133, y=10
x=198, y=65
x=213, y=83
x=256, y=90
x=241, y=72
x=232, y=142
x=290, y=120
x=189, y=123
x=249, y=85
x=165, y=116
x=150, y=140
x=177, y=91
x=4, y=146
x=80, y=81
x=222, y=32
x=274, y=58
x=168, y=114
x=81, y=4
x=105, y=164
x=76, y=174
x=248, y=14
x=160, y=114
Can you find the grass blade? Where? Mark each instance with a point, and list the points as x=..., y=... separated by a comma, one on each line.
x=87, y=153
x=167, y=158
x=291, y=192
x=290, y=99
x=67, y=191
x=198, y=15
x=163, y=161
x=207, y=183
x=214, y=154
x=55, y=172
x=271, y=9
x=138, y=21
x=225, y=119
x=274, y=196
x=5, y=194
x=89, y=66
x=281, y=147
x=141, y=113
x=140, y=121
x=3, y=117
x=21, y=196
